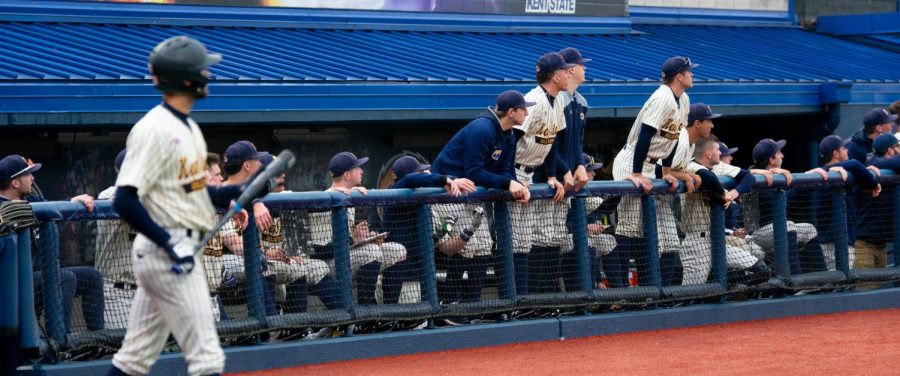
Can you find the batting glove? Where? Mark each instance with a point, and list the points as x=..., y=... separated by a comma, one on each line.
x=181, y=250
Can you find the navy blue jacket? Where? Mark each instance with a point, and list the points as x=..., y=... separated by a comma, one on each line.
x=876, y=217
x=863, y=179
x=482, y=152
x=859, y=146
x=569, y=142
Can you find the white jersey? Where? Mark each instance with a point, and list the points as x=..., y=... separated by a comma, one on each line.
x=695, y=215
x=320, y=225
x=464, y=214
x=540, y=128
x=166, y=162
x=684, y=154
x=664, y=114
x=114, y=246
x=724, y=169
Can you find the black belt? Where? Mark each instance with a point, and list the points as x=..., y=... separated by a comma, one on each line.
x=652, y=160
x=527, y=169
x=125, y=286
x=190, y=233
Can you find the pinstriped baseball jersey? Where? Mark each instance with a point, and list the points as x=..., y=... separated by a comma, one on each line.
x=166, y=162
x=114, y=246
x=695, y=207
x=724, y=169
x=684, y=154
x=480, y=244
x=669, y=117
x=320, y=225
x=540, y=128
x=273, y=236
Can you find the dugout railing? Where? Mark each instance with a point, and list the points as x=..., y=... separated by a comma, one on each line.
x=574, y=287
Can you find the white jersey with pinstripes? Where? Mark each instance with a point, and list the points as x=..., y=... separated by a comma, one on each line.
x=664, y=114
x=540, y=128
x=166, y=162
x=684, y=154
x=113, y=258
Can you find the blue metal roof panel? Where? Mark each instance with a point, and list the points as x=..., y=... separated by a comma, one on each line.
x=50, y=51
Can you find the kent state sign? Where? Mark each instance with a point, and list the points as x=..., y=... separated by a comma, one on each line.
x=550, y=6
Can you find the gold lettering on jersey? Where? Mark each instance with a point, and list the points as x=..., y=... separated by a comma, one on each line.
x=544, y=140
x=671, y=129
x=546, y=134
x=273, y=234
x=215, y=247
x=186, y=170
x=198, y=184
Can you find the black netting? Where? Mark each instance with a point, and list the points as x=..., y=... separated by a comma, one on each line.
x=393, y=266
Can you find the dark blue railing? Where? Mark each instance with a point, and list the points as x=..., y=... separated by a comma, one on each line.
x=52, y=212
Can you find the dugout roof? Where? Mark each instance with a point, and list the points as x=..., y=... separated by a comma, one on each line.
x=85, y=63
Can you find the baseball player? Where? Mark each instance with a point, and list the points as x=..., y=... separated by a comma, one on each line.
x=877, y=122
x=875, y=227
x=768, y=158
x=735, y=235
x=834, y=152
x=214, y=169
x=17, y=183
x=484, y=151
x=696, y=255
x=536, y=146
x=163, y=194
x=366, y=260
x=654, y=135
x=293, y=274
x=409, y=173
x=241, y=162
x=568, y=146
x=113, y=260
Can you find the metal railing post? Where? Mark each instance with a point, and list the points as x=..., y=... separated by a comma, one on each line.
x=580, y=242
x=426, y=254
x=651, y=237
x=717, y=242
x=505, y=251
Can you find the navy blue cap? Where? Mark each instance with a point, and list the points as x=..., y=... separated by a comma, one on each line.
x=240, y=152
x=573, y=56
x=589, y=163
x=119, y=159
x=406, y=165
x=725, y=151
x=766, y=149
x=701, y=111
x=884, y=142
x=345, y=161
x=878, y=116
x=552, y=61
x=265, y=158
x=830, y=144
x=13, y=166
x=676, y=65
x=512, y=99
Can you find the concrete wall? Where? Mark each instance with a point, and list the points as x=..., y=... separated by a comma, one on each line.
x=809, y=10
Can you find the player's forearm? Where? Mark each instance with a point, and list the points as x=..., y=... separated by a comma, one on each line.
x=642, y=148
x=222, y=195
x=745, y=182
x=133, y=212
x=419, y=180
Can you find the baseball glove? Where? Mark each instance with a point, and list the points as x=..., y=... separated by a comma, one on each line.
x=15, y=215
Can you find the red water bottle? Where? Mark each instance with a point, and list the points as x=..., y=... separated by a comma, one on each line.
x=632, y=273
x=604, y=281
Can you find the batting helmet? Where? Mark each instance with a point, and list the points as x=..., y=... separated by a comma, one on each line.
x=179, y=59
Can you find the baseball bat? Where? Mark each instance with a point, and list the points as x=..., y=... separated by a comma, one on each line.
x=282, y=163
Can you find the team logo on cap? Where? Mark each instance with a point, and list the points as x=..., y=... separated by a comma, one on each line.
x=496, y=155
x=537, y=69
x=582, y=116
